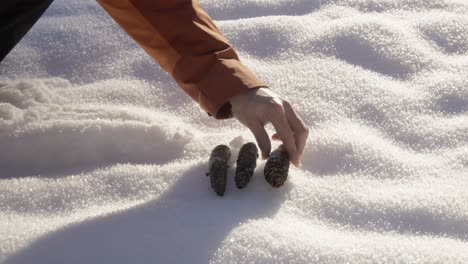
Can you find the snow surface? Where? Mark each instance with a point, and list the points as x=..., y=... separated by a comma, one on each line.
x=103, y=158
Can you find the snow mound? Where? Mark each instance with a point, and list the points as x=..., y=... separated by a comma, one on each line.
x=45, y=131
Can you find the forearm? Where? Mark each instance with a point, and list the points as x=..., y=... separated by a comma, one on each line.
x=183, y=39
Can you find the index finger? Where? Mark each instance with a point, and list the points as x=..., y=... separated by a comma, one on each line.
x=300, y=130
x=281, y=125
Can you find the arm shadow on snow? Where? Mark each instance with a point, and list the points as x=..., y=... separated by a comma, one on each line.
x=186, y=224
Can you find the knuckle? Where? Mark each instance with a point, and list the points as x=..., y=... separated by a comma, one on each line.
x=276, y=108
x=287, y=104
x=304, y=131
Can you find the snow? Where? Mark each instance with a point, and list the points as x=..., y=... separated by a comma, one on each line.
x=103, y=158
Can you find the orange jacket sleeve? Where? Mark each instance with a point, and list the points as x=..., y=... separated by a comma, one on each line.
x=183, y=39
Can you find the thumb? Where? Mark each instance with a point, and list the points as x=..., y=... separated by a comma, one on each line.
x=263, y=141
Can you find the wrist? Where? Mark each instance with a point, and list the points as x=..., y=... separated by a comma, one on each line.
x=234, y=102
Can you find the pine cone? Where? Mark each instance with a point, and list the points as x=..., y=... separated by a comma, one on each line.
x=246, y=163
x=218, y=168
x=277, y=167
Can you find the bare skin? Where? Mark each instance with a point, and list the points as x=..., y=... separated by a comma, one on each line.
x=261, y=106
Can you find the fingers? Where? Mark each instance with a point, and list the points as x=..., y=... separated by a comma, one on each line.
x=300, y=130
x=262, y=138
x=263, y=106
x=286, y=135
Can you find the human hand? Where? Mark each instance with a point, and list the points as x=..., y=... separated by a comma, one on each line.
x=260, y=106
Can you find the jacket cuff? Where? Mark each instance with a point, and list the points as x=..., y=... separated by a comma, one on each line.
x=223, y=79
